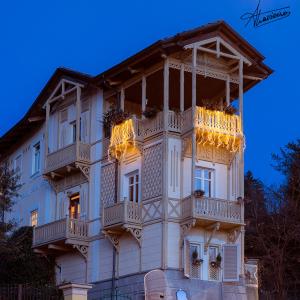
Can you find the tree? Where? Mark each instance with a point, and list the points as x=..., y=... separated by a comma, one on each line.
x=273, y=226
x=9, y=185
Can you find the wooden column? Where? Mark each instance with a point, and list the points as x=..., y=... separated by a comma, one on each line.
x=78, y=115
x=122, y=100
x=47, y=129
x=144, y=89
x=227, y=90
x=182, y=87
x=194, y=102
x=166, y=93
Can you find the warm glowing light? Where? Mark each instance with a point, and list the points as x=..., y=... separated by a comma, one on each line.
x=122, y=139
x=218, y=129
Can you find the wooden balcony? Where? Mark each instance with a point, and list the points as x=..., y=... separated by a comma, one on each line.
x=207, y=211
x=122, y=215
x=65, y=159
x=60, y=235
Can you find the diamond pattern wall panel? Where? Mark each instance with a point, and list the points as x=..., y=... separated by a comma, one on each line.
x=108, y=184
x=152, y=172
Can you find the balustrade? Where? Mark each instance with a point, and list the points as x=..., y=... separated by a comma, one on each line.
x=60, y=230
x=212, y=209
x=126, y=212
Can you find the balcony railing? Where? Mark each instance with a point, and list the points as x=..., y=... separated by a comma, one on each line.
x=212, y=209
x=121, y=213
x=60, y=230
x=67, y=155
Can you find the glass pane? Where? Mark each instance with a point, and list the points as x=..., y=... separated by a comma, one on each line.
x=198, y=184
x=207, y=188
x=198, y=172
x=131, y=193
x=212, y=253
x=207, y=174
x=131, y=180
x=136, y=193
x=181, y=295
x=137, y=178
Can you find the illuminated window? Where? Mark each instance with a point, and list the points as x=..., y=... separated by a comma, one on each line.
x=36, y=163
x=133, y=187
x=34, y=218
x=204, y=181
x=74, y=208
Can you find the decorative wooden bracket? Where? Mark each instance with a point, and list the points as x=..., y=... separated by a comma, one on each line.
x=185, y=228
x=233, y=235
x=83, y=250
x=212, y=228
x=136, y=233
x=51, y=182
x=113, y=238
x=85, y=169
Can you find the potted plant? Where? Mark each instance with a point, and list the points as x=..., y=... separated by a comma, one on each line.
x=240, y=200
x=196, y=261
x=199, y=193
x=113, y=116
x=217, y=262
x=150, y=112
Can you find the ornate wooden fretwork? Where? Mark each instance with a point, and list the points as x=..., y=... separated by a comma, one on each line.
x=209, y=233
x=135, y=232
x=185, y=228
x=233, y=235
x=83, y=250
x=113, y=237
x=85, y=169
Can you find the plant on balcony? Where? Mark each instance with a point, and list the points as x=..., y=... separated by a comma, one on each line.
x=150, y=112
x=240, y=200
x=196, y=261
x=114, y=116
x=217, y=262
x=199, y=193
x=230, y=110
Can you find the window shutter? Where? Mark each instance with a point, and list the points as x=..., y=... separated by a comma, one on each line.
x=63, y=135
x=230, y=263
x=187, y=258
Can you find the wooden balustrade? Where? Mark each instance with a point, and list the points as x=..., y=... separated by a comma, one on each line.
x=60, y=230
x=212, y=209
x=174, y=121
x=126, y=212
x=67, y=155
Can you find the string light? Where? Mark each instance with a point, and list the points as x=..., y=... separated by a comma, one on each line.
x=218, y=129
x=122, y=139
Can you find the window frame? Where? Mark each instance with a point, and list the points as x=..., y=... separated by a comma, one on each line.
x=36, y=213
x=202, y=180
x=35, y=162
x=136, y=186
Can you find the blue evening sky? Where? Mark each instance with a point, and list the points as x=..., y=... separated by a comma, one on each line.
x=90, y=36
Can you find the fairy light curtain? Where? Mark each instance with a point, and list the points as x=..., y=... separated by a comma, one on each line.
x=218, y=129
x=122, y=139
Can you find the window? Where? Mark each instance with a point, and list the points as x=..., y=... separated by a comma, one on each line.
x=203, y=181
x=73, y=125
x=18, y=164
x=195, y=259
x=36, y=158
x=74, y=207
x=133, y=187
x=34, y=218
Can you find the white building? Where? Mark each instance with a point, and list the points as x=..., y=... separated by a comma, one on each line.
x=166, y=192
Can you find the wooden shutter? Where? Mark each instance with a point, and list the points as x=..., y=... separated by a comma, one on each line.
x=187, y=258
x=230, y=263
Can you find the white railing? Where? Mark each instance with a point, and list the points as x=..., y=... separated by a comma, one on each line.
x=174, y=121
x=67, y=155
x=212, y=209
x=187, y=120
x=60, y=230
x=218, y=121
x=152, y=126
x=126, y=212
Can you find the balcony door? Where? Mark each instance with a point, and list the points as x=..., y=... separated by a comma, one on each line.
x=74, y=206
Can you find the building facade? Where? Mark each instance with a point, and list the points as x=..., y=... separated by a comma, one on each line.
x=142, y=168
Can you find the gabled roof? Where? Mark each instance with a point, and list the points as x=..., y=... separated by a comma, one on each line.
x=122, y=71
